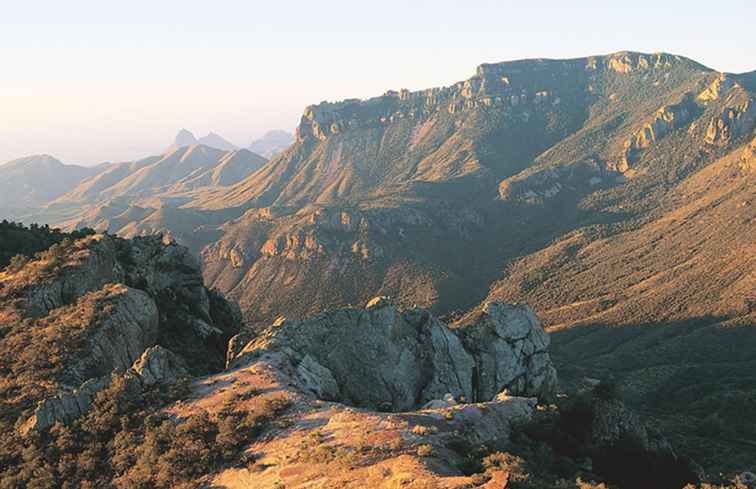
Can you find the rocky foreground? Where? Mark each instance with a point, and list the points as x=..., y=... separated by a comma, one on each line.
x=120, y=369
x=375, y=395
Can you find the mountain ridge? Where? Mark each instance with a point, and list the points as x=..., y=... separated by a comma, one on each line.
x=32, y=181
x=574, y=185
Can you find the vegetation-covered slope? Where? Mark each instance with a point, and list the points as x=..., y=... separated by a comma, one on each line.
x=666, y=306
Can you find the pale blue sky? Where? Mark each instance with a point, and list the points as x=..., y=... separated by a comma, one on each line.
x=90, y=81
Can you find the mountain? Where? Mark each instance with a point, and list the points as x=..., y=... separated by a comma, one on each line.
x=119, y=368
x=213, y=140
x=142, y=187
x=35, y=180
x=183, y=169
x=184, y=138
x=506, y=162
x=612, y=193
x=272, y=143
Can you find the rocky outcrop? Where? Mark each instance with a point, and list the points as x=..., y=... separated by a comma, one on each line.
x=158, y=365
x=625, y=63
x=237, y=343
x=138, y=307
x=90, y=264
x=537, y=187
x=664, y=121
x=127, y=326
x=733, y=121
x=748, y=158
x=510, y=349
x=385, y=358
x=64, y=407
x=716, y=89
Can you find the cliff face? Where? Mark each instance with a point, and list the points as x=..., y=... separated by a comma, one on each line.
x=421, y=177
x=84, y=310
x=528, y=84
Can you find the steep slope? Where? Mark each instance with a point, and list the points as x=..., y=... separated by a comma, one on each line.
x=91, y=189
x=666, y=307
x=231, y=168
x=143, y=197
x=36, y=180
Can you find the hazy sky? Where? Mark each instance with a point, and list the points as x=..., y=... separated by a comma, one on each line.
x=93, y=81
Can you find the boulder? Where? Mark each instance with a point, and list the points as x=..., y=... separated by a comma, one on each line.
x=511, y=352
x=158, y=365
x=383, y=357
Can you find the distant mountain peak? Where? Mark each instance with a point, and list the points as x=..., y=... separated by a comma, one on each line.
x=214, y=140
x=184, y=138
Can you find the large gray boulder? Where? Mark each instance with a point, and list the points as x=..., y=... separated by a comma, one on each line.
x=381, y=357
x=511, y=352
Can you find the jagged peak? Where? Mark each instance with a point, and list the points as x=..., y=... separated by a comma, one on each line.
x=184, y=138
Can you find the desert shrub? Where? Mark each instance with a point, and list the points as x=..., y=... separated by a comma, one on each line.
x=126, y=442
x=514, y=465
x=423, y=430
x=424, y=450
